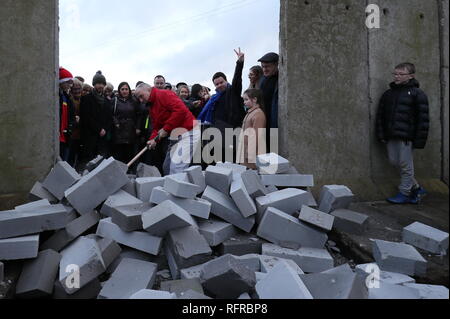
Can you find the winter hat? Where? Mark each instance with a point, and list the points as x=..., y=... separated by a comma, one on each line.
x=64, y=75
x=271, y=57
x=99, y=78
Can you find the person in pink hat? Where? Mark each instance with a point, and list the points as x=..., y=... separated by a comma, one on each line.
x=66, y=113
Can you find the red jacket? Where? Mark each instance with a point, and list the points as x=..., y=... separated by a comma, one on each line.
x=168, y=112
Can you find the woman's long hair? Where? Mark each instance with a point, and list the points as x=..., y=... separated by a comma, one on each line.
x=122, y=85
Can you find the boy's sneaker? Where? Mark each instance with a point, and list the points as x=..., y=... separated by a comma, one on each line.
x=417, y=194
x=400, y=199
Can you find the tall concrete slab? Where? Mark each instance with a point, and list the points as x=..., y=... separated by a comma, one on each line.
x=343, y=68
x=443, y=11
x=408, y=33
x=323, y=51
x=29, y=54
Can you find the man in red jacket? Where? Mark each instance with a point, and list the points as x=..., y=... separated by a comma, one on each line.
x=171, y=117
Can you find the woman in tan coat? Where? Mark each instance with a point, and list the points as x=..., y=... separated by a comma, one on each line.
x=252, y=140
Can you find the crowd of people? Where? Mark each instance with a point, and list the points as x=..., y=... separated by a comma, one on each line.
x=99, y=120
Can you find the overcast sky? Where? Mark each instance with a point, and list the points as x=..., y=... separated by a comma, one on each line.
x=185, y=41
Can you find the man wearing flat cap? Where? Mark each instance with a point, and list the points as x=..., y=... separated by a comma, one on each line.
x=269, y=86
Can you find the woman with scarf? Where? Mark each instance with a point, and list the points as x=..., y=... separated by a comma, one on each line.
x=95, y=120
x=126, y=118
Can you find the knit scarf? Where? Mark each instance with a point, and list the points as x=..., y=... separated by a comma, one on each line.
x=206, y=116
x=100, y=98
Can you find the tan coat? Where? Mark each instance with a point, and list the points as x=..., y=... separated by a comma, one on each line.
x=252, y=140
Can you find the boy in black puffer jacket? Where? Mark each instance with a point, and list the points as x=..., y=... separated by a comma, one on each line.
x=403, y=123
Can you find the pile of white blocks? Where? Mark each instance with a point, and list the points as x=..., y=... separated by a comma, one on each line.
x=225, y=232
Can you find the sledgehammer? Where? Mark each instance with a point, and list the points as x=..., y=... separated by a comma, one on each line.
x=156, y=139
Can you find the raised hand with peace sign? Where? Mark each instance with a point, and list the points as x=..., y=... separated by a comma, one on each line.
x=241, y=55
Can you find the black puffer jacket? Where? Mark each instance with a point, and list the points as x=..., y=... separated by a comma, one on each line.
x=403, y=113
x=94, y=117
x=229, y=111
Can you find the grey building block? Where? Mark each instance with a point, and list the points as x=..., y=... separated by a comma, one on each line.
x=282, y=282
x=269, y=262
x=192, y=295
x=236, y=168
x=288, y=232
x=386, y=276
x=289, y=200
x=144, y=170
x=260, y=275
x=216, y=231
x=227, y=278
x=242, y=244
x=350, y=222
x=310, y=260
x=188, y=248
x=165, y=217
x=129, y=217
x=175, y=271
x=60, y=178
x=19, y=248
x=271, y=189
x=196, y=177
x=288, y=180
x=333, y=197
x=224, y=207
x=342, y=285
x=196, y=207
x=153, y=294
x=132, y=254
x=131, y=276
x=311, y=201
x=2, y=272
x=251, y=261
x=178, y=185
x=36, y=204
x=87, y=256
x=272, y=164
x=38, y=192
x=398, y=257
x=94, y=163
x=253, y=184
x=130, y=187
x=138, y=240
x=120, y=198
x=145, y=186
x=316, y=218
x=339, y=269
x=430, y=291
x=292, y=171
x=179, y=286
x=90, y=291
x=219, y=178
x=20, y=223
x=94, y=188
x=38, y=275
x=74, y=229
x=244, y=296
x=71, y=213
x=110, y=250
x=390, y=291
x=242, y=199
x=425, y=237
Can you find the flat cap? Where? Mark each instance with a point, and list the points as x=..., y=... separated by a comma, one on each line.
x=270, y=58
